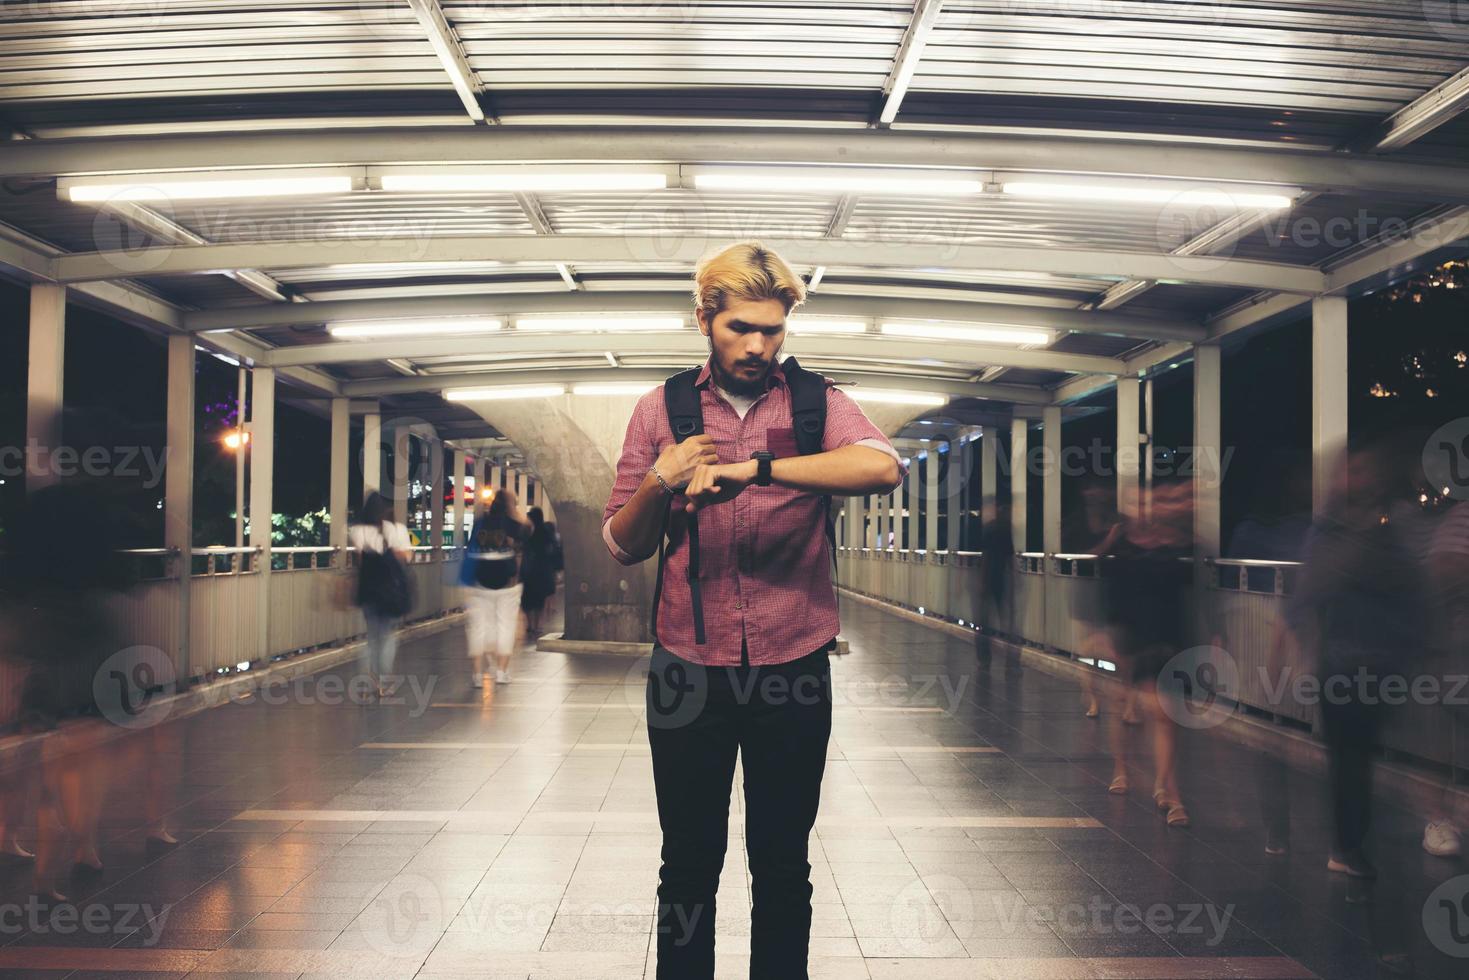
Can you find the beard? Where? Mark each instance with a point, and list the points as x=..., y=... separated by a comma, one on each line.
x=734, y=384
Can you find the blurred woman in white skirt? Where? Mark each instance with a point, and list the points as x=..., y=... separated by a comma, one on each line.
x=491, y=577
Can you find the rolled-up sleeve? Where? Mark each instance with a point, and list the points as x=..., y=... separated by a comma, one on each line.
x=639, y=453
x=848, y=425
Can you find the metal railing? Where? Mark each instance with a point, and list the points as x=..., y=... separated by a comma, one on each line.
x=1055, y=602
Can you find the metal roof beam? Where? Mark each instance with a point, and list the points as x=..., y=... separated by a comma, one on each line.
x=1016, y=394
x=910, y=52
x=446, y=44
x=827, y=304
x=1102, y=263
x=1342, y=173
x=1424, y=114
x=877, y=348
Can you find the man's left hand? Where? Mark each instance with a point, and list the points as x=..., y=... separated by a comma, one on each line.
x=719, y=484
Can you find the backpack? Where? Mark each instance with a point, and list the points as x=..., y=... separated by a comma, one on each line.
x=382, y=584
x=686, y=419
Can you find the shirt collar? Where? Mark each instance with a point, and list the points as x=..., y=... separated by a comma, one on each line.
x=776, y=376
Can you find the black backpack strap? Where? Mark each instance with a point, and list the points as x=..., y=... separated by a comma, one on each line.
x=681, y=399
x=808, y=416
x=808, y=406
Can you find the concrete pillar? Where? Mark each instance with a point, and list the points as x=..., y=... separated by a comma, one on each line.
x=372, y=453
x=178, y=490
x=482, y=468
x=1129, y=453
x=402, y=457
x=955, y=489
x=522, y=487
x=1208, y=451
x=915, y=498
x=262, y=502
x=45, y=373
x=1019, y=438
x=435, y=481
x=572, y=444
x=989, y=468
x=337, y=497
x=459, y=481
x=1051, y=486
x=1147, y=442
x=932, y=491
x=1328, y=395
x=240, y=453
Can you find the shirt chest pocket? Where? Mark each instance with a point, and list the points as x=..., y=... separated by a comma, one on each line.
x=782, y=442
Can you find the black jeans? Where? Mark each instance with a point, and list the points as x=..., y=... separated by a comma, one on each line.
x=779, y=719
x=1351, y=729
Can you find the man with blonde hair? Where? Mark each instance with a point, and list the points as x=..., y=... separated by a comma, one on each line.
x=735, y=463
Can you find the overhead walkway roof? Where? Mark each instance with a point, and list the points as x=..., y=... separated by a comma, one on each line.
x=1221, y=165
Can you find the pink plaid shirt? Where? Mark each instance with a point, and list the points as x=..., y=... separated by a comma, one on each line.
x=765, y=566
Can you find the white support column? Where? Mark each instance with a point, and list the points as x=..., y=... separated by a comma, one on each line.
x=1147, y=442
x=1019, y=439
x=521, y=484
x=954, y=492
x=337, y=498
x=1328, y=395
x=931, y=494
x=870, y=518
x=45, y=373
x=435, y=483
x=1051, y=514
x=989, y=467
x=240, y=453
x=481, y=482
x=914, y=497
x=372, y=453
x=460, y=481
x=1129, y=454
x=402, y=457
x=178, y=490
x=262, y=501
x=1208, y=450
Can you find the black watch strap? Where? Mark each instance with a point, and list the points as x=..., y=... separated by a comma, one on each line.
x=762, y=468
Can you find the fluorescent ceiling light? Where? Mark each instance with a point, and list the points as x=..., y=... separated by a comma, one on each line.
x=1184, y=196
x=614, y=388
x=507, y=393
x=415, y=328
x=799, y=325
x=892, y=396
x=972, y=334
x=164, y=187
x=566, y=324
x=525, y=181
x=837, y=182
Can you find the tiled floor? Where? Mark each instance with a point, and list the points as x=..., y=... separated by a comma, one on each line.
x=965, y=831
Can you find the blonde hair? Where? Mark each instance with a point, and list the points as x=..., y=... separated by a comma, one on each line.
x=745, y=271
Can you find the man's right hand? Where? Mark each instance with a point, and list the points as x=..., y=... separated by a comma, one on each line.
x=678, y=462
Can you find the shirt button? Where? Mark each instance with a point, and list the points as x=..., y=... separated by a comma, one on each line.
x=739, y=605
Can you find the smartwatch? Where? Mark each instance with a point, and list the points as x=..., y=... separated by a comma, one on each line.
x=762, y=467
